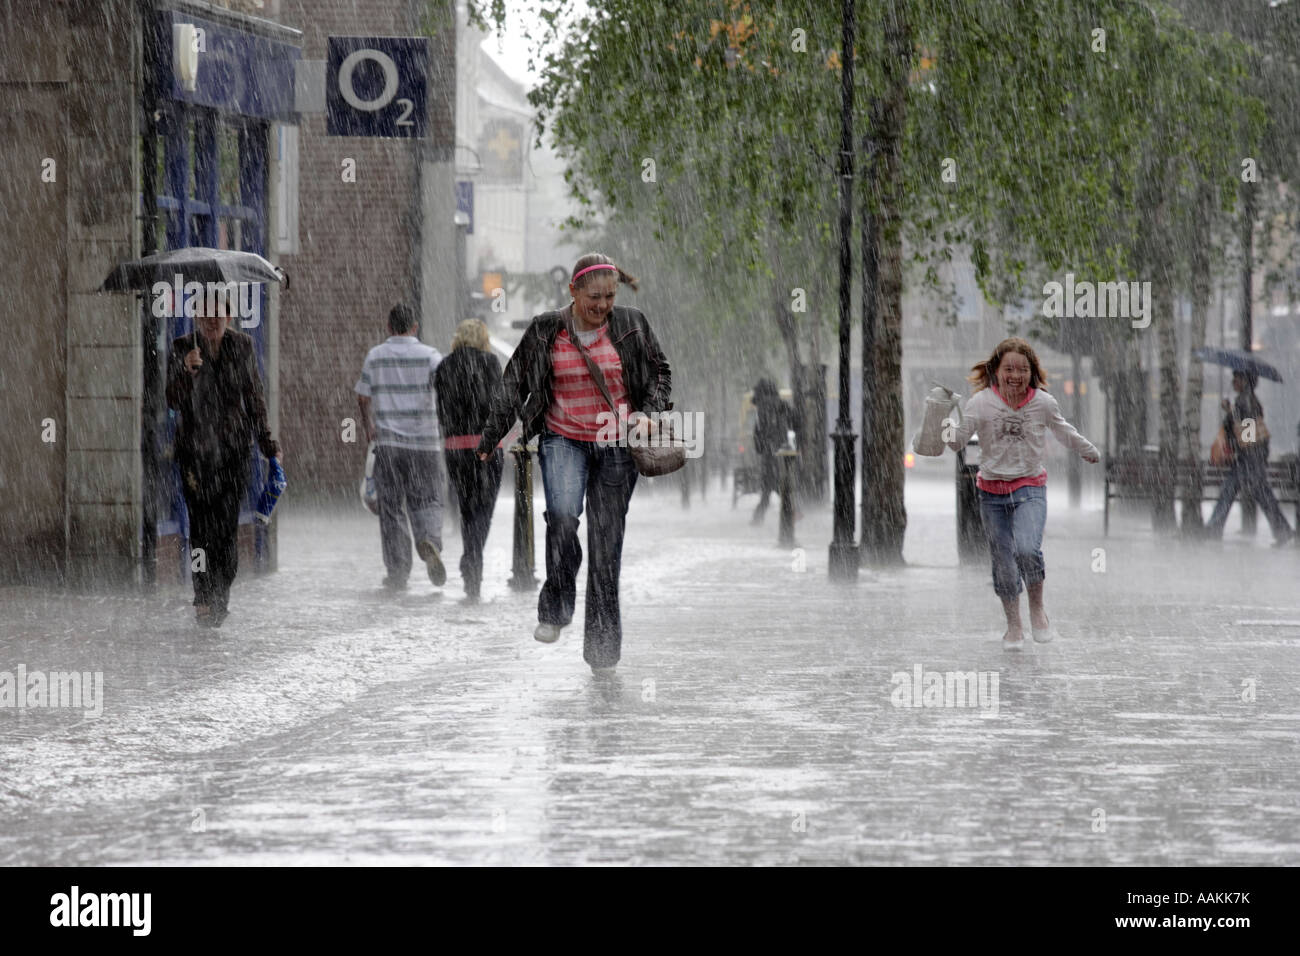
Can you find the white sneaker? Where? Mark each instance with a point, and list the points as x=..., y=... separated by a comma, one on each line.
x=547, y=633
x=1010, y=645
x=1045, y=635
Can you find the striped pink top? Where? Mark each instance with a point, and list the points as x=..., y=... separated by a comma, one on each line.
x=577, y=404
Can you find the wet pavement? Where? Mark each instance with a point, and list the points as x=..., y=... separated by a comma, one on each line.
x=761, y=714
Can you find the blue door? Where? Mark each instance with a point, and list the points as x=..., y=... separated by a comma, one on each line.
x=213, y=188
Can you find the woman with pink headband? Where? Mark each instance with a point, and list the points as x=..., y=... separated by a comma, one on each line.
x=550, y=387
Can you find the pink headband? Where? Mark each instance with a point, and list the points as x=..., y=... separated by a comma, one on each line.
x=599, y=265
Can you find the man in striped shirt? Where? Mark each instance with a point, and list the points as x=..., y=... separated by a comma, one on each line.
x=396, y=389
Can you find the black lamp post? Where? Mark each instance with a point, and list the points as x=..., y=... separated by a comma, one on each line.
x=843, y=563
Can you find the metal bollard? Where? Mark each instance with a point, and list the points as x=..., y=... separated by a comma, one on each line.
x=786, y=487
x=523, y=564
x=972, y=544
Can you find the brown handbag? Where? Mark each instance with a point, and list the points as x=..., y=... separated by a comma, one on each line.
x=1220, y=452
x=665, y=452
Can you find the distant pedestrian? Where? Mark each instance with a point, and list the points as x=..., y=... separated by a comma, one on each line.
x=1012, y=412
x=1247, y=440
x=550, y=388
x=467, y=380
x=772, y=420
x=214, y=385
x=396, y=390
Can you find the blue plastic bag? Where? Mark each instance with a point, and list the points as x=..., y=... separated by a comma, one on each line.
x=274, y=487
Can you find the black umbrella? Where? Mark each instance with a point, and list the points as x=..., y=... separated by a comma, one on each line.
x=193, y=264
x=1238, y=360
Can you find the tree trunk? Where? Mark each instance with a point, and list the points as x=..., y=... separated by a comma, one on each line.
x=885, y=457
x=790, y=336
x=1199, y=262
x=1163, y=517
x=812, y=440
x=1248, y=213
x=1247, y=265
x=813, y=453
x=870, y=226
x=1129, y=398
x=1154, y=258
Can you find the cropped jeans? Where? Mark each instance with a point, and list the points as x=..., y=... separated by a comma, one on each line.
x=605, y=475
x=1014, y=526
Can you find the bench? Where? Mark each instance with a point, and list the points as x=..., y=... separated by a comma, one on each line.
x=1131, y=475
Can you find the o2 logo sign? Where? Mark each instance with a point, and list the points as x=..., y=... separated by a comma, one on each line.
x=377, y=86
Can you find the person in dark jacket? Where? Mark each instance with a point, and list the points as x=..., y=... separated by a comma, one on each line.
x=771, y=422
x=213, y=382
x=1243, y=427
x=549, y=387
x=465, y=384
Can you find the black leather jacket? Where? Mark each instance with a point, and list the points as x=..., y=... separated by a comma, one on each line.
x=221, y=408
x=525, y=391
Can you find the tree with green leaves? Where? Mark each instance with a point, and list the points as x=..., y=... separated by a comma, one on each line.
x=716, y=120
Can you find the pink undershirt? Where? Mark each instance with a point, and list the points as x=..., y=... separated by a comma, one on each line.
x=994, y=487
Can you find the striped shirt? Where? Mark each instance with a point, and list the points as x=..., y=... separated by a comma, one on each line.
x=576, y=403
x=398, y=377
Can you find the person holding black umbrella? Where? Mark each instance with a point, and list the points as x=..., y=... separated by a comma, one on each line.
x=214, y=384
x=1247, y=440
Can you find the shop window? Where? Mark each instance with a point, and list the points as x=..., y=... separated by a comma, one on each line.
x=228, y=164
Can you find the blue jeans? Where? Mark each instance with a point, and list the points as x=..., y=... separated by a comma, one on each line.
x=606, y=476
x=1014, y=526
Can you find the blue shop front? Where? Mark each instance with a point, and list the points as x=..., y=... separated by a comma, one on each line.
x=213, y=92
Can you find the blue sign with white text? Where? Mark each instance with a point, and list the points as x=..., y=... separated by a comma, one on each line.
x=235, y=72
x=377, y=86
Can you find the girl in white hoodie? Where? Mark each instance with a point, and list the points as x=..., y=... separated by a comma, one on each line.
x=1012, y=412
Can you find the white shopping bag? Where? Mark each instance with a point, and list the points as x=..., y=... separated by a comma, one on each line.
x=941, y=411
x=370, y=497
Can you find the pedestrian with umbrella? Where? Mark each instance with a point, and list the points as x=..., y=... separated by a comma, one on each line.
x=214, y=385
x=1243, y=441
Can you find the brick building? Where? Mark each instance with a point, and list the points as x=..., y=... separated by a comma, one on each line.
x=363, y=246
x=109, y=152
